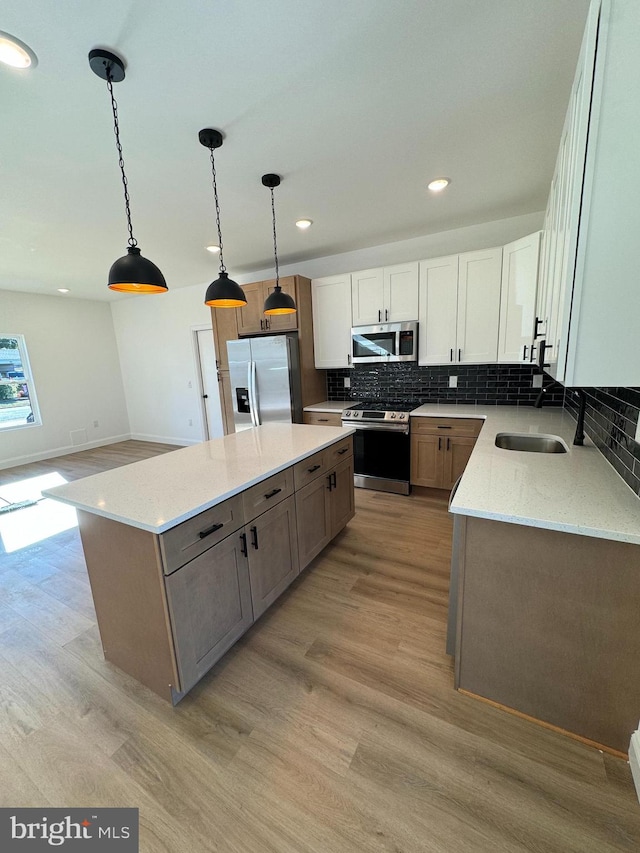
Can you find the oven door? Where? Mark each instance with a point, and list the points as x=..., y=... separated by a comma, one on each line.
x=382, y=459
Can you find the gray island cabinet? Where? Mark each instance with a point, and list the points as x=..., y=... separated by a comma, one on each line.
x=175, y=584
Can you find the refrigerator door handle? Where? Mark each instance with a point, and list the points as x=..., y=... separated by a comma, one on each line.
x=253, y=394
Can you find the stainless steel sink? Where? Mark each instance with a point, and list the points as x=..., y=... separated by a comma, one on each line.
x=530, y=443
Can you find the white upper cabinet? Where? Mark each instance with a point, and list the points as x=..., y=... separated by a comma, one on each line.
x=518, y=299
x=438, y=310
x=460, y=308
x=592, y=296
x=367, y=297
x=385, y=295
x=401, y=293
x=331, y=301
x=479, y=276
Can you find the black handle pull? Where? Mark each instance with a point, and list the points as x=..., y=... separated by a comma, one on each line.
x=205, y=396
x=439, y=442
x=243, y=544
x=524, y=352
x=386, y=314
x=254, y=537
x=334, y=476
x=210, y=530
x=323, y=420
x=344, y=450
x=459, y=355
x=451, y=354
x=443, y=427
x=330, y=482
x=448, y=441
x=379, y=316
x=313, y=468
x=272, y=493
x=538, y=323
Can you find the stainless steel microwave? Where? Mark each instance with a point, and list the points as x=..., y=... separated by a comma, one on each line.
x=385, y=342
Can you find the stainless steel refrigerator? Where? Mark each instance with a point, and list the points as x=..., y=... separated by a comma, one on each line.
x=265, y=380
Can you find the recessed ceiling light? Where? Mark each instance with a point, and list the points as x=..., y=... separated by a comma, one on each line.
x=439, y=184
x=63, y=290
x=303, y=224
x=213, y=249
x=16, y=53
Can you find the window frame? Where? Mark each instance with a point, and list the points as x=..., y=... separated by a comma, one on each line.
x=28, y=381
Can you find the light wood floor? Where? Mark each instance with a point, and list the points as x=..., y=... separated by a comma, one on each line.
x=332, y=726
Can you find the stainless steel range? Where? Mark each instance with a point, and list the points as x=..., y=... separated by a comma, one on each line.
x=381, y=445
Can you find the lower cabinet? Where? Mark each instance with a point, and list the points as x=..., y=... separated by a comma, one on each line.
x=170, y=605
x=440, y=450
x=210, y=605
x=272, y=547
x=322, y=418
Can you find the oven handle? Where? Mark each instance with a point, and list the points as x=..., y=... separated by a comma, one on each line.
x=401, y=428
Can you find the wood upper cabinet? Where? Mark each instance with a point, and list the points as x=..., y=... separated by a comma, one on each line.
x=331, y=299
x=251, y=318
x=518, y=299
x=385, y=295
x=459, y=308
x=440, y=449
x=210, y=605
x=273, y=553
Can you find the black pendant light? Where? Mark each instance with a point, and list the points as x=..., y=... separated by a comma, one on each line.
x=131, y=273
x=223, y=292
x=277, y=302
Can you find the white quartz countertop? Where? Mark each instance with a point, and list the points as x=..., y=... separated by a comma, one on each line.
x=331, y=406
x=158, y=493
x=575, y=492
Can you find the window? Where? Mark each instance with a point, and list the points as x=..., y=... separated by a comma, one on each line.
x=18, y=406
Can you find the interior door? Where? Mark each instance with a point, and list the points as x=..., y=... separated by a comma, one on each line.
x=209, y=387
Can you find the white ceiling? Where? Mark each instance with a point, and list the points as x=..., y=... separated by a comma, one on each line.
x=356, y=103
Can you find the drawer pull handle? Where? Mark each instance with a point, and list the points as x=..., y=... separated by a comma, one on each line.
x=334, y=478
x=444, y=427
x=330, y=481
x=344, y=450
x=313, y=468
x=323, y=420
x=254, y=537
x=448, y=440
x=243, y=544
x=439, y=442
x=272, y=493
x=210, y=530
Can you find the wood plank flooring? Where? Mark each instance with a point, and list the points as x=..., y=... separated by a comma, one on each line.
x=331, y=727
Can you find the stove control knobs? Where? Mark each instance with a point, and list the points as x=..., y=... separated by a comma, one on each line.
x=402, y=417
x=348, y=413
x=393, y=414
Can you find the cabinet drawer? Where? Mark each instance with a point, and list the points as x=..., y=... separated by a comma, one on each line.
x=447, y=426
x=191, y=538
x=268, y=493
x=322, y=418
x=337, y=452
x=309, y=469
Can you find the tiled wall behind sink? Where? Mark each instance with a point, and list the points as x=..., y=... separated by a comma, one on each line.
x=486, y=384
x=610, y=422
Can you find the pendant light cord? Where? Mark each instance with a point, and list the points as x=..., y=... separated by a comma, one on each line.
x=275, y=243
x=114, y=106
x=215, y=196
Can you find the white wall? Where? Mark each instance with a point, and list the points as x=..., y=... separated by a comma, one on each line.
x=158, y=361
x=155, y=338
x=76, y=371
x=483, y=236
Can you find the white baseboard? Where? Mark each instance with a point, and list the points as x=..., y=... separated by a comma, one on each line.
x=634, y=760
x=163, y=439
x=61, y=451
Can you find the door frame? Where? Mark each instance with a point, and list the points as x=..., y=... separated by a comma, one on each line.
x=204, y=421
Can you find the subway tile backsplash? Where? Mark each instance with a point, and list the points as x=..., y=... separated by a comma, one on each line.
x=487, y=384
x=611, y=415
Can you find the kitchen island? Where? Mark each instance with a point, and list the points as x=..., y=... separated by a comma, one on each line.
x=186, y=550
x=545, y=578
